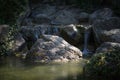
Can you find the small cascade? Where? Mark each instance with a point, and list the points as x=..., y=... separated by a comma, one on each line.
x=55, y=30
x=86, y=39
x=36, y=35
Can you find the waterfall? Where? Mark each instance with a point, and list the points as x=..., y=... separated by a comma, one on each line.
x=36, y=35
x=86, y=38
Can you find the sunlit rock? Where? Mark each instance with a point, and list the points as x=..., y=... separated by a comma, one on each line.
x=53, y=48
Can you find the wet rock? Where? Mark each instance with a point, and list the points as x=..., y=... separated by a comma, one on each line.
x=107, y=30
x=51, y=48
x=107, y=46
x=101, y=14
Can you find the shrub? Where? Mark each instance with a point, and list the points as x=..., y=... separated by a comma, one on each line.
x=10, y=9
x=7, y=40
x=104, y=66
x=9, y=12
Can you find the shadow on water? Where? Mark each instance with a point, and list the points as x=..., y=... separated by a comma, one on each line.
x=16, y=69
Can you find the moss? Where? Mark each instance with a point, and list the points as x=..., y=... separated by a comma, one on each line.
x=104, y=65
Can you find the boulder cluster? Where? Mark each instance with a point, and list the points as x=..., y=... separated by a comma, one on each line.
x=53, y=33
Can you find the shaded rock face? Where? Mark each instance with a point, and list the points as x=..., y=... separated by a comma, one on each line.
x=34, y=3
x=65, y=17
x=107, y=46
x=68, y=32
x=107, y=30
x=51, y=14
x=101, y=14
x=53, y=49
x=71, y=34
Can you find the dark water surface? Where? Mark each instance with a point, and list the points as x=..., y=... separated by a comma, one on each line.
x=16, y=69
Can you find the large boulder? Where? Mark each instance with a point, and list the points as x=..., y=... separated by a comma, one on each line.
x=53, y=49
x=107, y=30
x=100, y=14
x=72, y=34
x=107, y=46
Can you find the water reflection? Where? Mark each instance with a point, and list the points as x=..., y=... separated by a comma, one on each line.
x=16, y=69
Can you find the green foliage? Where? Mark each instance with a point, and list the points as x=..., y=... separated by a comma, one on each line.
x=7, y=41
x=104, y=65
x=9, y=12
x=10, y=9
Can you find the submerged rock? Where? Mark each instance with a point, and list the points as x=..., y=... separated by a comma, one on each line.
x=53, y=49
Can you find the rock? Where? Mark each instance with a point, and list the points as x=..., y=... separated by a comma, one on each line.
x=53, y=49
x=64, y=17
x=83, y=17
x=107, y=30
x=30, y=35
x=34, y=32
x=107, y=46
x=17, y=43
x=68, y=32
x=42, y=15
x=101, y=14
x=41, y=19
x=44, y=10
x=53, y=14
x=71, y=34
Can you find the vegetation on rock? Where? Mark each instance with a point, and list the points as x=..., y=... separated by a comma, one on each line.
x=104, y=65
